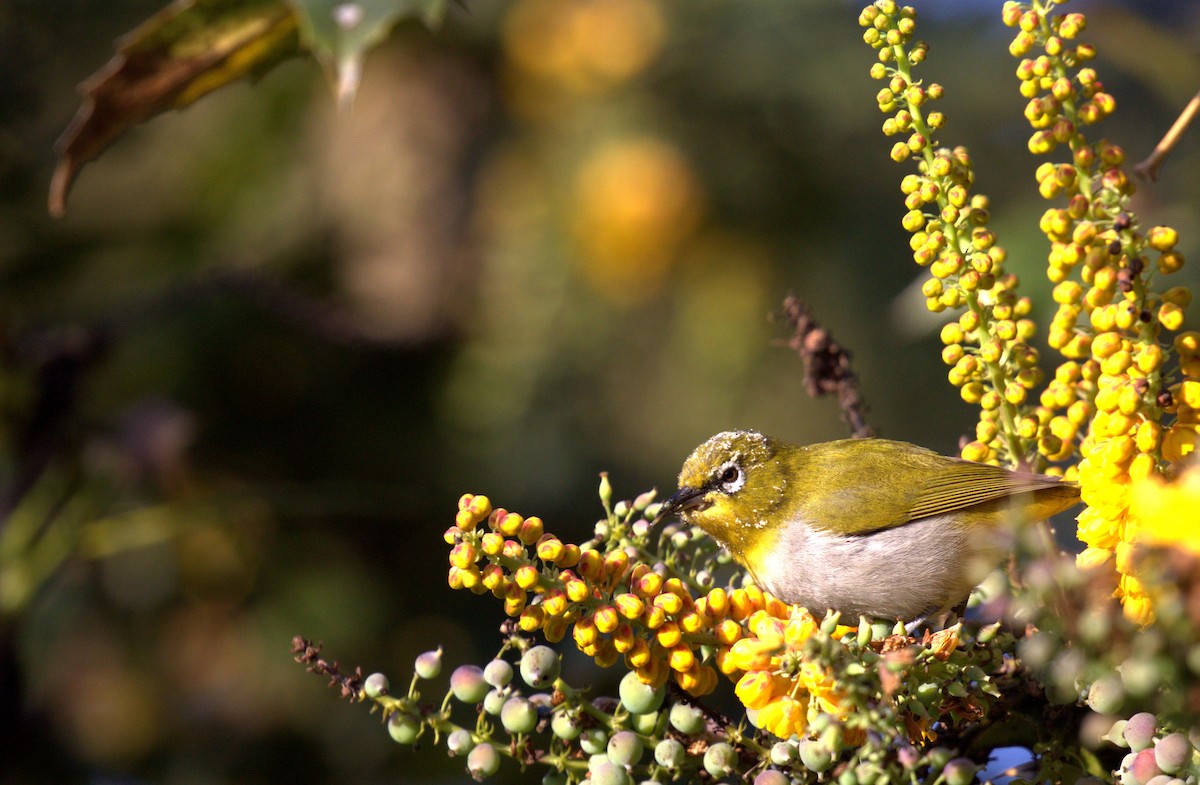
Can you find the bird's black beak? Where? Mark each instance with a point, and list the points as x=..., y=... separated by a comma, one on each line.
x=681, y=501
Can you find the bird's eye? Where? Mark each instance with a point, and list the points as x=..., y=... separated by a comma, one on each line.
x=730, y=477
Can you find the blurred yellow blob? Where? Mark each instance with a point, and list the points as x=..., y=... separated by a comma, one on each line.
x=1169, y=513
x=637, y=200
x=586, y=46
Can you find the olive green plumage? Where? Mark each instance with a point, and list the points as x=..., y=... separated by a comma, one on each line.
x=864, y=526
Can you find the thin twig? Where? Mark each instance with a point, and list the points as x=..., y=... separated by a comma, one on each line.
x=1148, y=169
x=826, y=365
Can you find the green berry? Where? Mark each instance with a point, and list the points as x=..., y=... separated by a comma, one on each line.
x=518, y=715
x=459, y=742
x=483, y=761
x=1145, y=767
x=783, y=753
x=376, y=685
x=669, y=754
x=403, y=728
x=815, y=756
x=493, y=702
x=640, y=698
x=554, y=778
x=540, y=666
x=720, y=759
x=564, y=725
x=1106, y=694
x=625, y=748
x=609, y=773
x=467, y=684
x=429, y=664
x=594, y=741
x=686, y=719
x=644, y=723
x=960, y=771
x=771, y=777
x=498, y=673
x=1140, y=730
x=1172, y=752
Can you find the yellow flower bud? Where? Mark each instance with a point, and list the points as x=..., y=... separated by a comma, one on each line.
x=629, y=605
x=1170, y=316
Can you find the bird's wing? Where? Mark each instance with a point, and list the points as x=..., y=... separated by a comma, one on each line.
x=965, y=484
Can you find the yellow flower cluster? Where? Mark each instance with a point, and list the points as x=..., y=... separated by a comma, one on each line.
x=987, y=348
x=613, y=606
x=783, y=691
x=1111, y=394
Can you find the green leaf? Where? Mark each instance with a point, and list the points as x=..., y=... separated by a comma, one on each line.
x=182, y=53
x=339, y=33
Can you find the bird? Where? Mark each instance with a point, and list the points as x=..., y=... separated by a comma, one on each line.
x=864, y=527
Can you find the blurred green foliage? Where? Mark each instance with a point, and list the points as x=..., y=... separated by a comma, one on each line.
x=246, y=378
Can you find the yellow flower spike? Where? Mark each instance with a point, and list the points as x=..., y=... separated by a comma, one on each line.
x=668, y=635
x=606, y=619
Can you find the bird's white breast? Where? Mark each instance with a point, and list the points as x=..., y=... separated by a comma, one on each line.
x=925, y=566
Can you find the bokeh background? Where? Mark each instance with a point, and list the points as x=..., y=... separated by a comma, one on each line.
x=248, y=375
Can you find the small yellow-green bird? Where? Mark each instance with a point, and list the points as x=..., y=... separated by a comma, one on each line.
x=869, y=527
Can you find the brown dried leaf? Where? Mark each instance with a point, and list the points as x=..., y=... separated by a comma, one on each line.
x=182, y=53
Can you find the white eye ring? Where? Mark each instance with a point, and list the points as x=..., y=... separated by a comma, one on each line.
x=730, y=477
